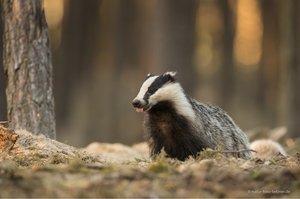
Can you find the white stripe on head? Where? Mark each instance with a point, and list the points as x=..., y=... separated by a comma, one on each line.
x=145, y=87
x=173, y=92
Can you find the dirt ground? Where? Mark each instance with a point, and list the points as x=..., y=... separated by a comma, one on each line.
x=39, y=167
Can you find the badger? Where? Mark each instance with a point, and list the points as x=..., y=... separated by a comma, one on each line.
x=182, y=126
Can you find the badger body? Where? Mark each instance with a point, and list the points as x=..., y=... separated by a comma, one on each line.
x=182, y=126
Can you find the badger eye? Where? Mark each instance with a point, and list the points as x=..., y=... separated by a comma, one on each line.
x=148, y=93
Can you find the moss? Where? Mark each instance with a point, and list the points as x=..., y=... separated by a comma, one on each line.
x=162, y=164
x=76, y=165
x=157, y=178
x=8, y=167
x=208, y=154
x=139, y=160
x=63, y=171
x=24, y=161
x=107, y=169
x=255, y=174
x=159, y=167
x=59, y=159
x=260, y=174
x=88, y=158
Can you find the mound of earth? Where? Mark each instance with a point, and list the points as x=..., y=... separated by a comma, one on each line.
x=36, y=166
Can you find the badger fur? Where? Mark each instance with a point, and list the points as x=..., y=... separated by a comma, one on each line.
x=182, y=126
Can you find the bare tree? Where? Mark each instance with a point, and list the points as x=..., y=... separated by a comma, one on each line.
x=295, y=74
x=227, y=75
x=28, y=67
x=2, y=81
x=269, y=74
x=178, y=39
x=290, y=69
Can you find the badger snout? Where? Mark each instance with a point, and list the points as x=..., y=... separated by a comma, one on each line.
x=139, y=105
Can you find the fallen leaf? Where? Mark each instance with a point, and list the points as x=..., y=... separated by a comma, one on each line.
x=8, y=139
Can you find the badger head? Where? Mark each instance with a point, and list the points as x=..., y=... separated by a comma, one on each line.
x=156, y=88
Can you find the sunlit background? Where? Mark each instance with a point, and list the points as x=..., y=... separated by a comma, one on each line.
x=237, y=54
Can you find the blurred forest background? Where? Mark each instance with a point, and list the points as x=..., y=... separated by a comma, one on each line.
x=243, y=55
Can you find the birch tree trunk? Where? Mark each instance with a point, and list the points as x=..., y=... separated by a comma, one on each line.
x=28, y=68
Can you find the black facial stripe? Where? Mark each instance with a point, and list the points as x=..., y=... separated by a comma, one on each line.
x=156, y=84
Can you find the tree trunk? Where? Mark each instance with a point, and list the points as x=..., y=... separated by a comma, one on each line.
x=178, y=39
x=28, y=67
x=2, y=79
x=227, y=75
x=295, y=71
x=290, y=73
x=75, y=56
x=268, y=96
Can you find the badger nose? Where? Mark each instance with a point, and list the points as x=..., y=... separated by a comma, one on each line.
x=137, y=103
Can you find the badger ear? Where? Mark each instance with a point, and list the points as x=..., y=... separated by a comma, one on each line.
x=171, y=73
x=148, y=75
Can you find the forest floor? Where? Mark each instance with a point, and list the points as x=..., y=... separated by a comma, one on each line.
x=40, y=167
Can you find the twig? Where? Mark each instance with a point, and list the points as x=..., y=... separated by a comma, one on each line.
x=240, y=151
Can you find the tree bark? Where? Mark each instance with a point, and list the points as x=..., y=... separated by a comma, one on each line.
x=290, y=69
x=290, y=62
x=2, y=79
x=80, y=21
x=178, y=39
x=269, y=76
x=227, y=75
x=295, y=71
x=28, y=67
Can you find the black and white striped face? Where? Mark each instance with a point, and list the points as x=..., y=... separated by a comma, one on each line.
x=155, y=88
